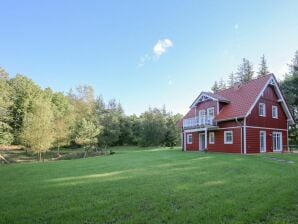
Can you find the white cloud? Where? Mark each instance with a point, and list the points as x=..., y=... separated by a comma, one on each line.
x=159, y=49
x=161, y=46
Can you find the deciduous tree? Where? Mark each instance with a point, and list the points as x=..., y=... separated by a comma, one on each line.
x=37, y=132
x=86, y=134
x=6, y=136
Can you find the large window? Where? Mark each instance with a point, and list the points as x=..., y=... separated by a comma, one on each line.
x=262, y=141
x=277, y=141
x=228, y=137
x=189, y=138
x=211, y=138
x=274, y=112
x=262, y=110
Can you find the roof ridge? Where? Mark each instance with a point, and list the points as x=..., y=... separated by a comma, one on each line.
x=244, y=84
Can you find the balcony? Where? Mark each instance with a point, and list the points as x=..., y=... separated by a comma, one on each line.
x=198, y=122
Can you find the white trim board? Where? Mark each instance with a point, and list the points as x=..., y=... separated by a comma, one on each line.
x=235, y=127
x=277, y=129
x=197, y=100
x=194, y=130
x=229, y=128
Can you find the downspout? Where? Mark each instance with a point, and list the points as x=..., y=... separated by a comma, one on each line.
x=184, y=141
x=206, y=138
x=240, y=134
x=288, y=147
x=244, y=135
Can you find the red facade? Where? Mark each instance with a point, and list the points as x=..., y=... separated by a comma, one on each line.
x=256, y=128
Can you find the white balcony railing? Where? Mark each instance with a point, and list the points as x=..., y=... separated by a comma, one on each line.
x=198, y=122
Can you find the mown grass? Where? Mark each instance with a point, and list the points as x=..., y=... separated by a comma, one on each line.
x=152, y=186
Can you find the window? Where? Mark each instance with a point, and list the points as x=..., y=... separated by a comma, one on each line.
x=210, y=115
x=202, y=114
x=211, y=138
x=262, y=110
x=228, y=137
x=274, y=112
x=189, y=139
x=262, y=141
x=277, y=141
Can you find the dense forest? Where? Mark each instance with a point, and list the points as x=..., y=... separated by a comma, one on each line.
x=41, y=119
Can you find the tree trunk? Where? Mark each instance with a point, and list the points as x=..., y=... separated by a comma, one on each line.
x=58, y=150
x=2, y=157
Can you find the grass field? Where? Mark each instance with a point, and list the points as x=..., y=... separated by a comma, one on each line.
x=153, y=186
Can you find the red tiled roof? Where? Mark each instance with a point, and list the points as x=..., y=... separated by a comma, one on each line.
x=241, y=99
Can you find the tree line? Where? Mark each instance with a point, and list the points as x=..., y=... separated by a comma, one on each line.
x=41, y=119
x=289, y=86
x=245, y=73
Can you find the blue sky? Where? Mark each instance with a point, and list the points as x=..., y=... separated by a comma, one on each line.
x=144, y=53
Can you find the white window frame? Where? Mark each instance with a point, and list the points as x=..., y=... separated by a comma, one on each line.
x=225, y=137
x=189, y=139
x=275, y=108
x=264, y=109
x=202, y=116
x=277, y=133
x=211, y=140
x=264, y=148
x=208, y=112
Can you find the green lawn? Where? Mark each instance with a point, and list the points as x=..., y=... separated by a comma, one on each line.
x=153, y=186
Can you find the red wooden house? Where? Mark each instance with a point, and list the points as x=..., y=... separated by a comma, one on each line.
x=248, y=118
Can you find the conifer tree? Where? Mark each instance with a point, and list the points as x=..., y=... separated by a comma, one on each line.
x=231, y=80
x=222, y=84
x=263, y=68
x=245, y=71
x=215, y=87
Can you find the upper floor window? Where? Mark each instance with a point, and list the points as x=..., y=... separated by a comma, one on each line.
x=202, y=116
x=228, y=137
x=189, y=139
x=262, y=110
x=210, y=113
x=211, y=138
x=274, y=112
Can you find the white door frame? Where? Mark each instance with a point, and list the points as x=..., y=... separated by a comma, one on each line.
x=264, y=143
x=279, y=135
x=201, y=145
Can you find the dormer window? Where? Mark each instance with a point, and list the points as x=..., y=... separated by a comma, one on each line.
x=274, y=112
x=262, y=110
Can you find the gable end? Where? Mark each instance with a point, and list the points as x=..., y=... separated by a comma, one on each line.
x=273, y=82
